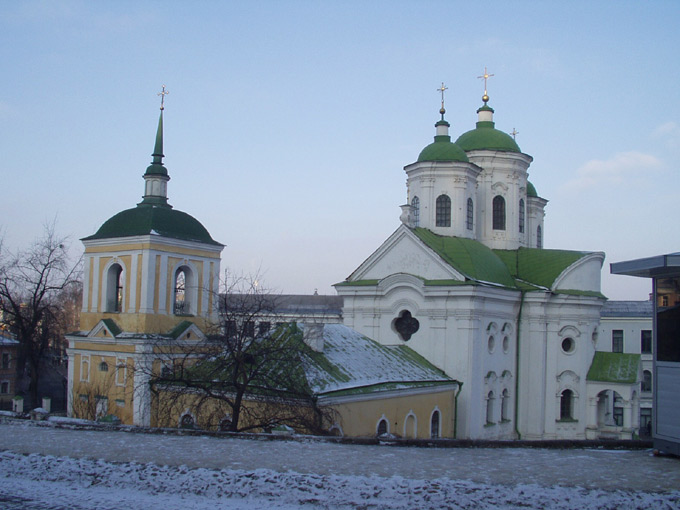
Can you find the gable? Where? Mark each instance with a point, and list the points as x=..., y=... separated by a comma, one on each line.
x=404, y=253
x=105, y=328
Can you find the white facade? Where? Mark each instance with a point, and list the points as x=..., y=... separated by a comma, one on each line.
x=517, y=326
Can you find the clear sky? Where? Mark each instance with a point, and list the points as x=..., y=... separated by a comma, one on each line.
x=288, y=123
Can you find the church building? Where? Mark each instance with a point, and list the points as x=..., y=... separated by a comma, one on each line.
x=465, y=282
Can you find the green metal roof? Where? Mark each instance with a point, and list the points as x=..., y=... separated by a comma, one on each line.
x=112, y=326
x=469, y=257
x=538, y=266
x=147, y=219
x=487, y=137
x=442, y=149
x=156, y=167
x=531, y=190
x=614, y=367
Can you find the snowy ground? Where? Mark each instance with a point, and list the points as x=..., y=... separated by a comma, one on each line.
x=46, y=468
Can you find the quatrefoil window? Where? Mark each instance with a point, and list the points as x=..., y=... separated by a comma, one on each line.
x=406, y=325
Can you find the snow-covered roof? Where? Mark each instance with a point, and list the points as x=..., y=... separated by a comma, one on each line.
x=350, y=361
x=5, y=340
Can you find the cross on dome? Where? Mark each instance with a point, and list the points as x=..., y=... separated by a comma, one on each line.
x=442, y=89
x=485, y=77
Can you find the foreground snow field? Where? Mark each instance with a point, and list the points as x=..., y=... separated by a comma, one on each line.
x=45, y=468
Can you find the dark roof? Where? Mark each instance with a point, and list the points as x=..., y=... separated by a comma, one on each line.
x=289, y=304
x=148, y=219
x=628, y=309
x=662, y=266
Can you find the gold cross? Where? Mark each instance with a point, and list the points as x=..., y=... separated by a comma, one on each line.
x=514, y=133
x=485, y=77
x=163, y=93
x=442, y=89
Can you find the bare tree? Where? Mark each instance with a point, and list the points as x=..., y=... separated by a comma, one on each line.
x=248, y=374
x=31, y=284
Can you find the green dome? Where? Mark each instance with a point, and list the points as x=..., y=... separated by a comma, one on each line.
x=443, y=149
x=148, y=219
x=531, y=190
x=486, y=137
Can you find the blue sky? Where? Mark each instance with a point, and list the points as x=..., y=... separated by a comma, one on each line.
x=288, y=123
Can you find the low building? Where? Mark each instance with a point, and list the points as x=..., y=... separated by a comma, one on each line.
x=626, y=327
x=9, y=348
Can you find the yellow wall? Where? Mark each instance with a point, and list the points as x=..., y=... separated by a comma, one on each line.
x=90, y=383
x=360, y=419
x=356, y=419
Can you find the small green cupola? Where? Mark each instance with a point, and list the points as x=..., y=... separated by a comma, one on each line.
x=486, y=136
x=442, y=149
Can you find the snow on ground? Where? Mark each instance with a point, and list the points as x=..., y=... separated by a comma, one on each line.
x=46, y=468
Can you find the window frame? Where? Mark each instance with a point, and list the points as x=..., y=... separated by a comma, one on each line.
x=498, y=216
x=470, y=218
x=567, y=404
x=617, y=340
x=443, y=211
x=415, y=211
x=646, y=341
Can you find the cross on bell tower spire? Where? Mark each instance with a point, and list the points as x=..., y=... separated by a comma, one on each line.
x=163, y=93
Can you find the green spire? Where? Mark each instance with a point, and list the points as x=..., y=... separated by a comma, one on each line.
x=156, y=176
x=156, y=167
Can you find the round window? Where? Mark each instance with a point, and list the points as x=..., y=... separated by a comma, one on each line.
x=492, y=343
x=506, y=344
x=568, y=345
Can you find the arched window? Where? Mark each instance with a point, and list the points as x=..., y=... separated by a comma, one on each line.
x=498, y=213
x=434, y=425
x=186, y=422
x=521, y=215
x=469, y=222
x=443, y=210
x=225, y=424
x=382, y=427
x=505, y=406
x=180, y=292
x=489, y=408
x=415, y=211
x=567, y=405
x=103, y=367
x=646, y=381
x=539, y=237
x=114, y=288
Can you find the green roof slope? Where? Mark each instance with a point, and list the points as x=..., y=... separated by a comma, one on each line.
x=471, y=258
x=538, y=266
x=153, y=220
x=614, y=367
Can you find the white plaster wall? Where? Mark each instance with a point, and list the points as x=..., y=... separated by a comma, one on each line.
x=584, y=274
x=408, y=257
